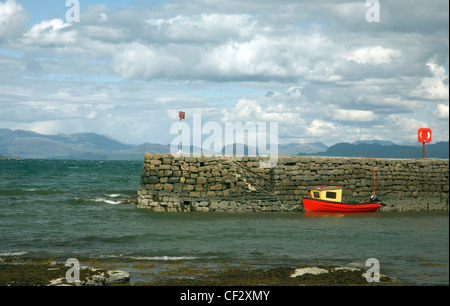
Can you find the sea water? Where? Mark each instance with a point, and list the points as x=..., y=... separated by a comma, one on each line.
x=70, y=208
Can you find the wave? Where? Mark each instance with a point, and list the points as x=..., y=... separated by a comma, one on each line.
x=28, y=191
x=15, y=253
x=150, y=258
x=108, y=201
x=115, y=198
x=163, y=258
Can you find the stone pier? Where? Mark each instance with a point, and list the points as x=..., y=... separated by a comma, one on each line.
x=241, y=184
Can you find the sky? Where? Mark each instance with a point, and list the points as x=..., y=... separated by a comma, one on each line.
x=325, y=71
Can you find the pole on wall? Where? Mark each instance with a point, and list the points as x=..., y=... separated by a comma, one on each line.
x=424, y=136
x=182, y=116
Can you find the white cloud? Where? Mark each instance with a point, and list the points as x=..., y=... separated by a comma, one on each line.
x=221, y=47
x=103, y=17
x=442, y=111
x=354, y=115
x=139, y=61
x=13, y=19
x=398, y=125
x=53, y=32
x=203, y=28
x=375, y=55
x=319, y=128
x=435, y=87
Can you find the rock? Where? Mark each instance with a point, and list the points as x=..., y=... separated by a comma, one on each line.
x=107, y=278
x=309, y=270
x=117, y=277
x=95, y=280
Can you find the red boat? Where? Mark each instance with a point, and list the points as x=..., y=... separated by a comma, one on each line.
x=329, y=199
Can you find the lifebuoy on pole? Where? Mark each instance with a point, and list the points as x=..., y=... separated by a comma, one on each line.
x=424, y=136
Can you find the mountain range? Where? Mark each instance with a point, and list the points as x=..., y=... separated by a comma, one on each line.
x=28, y=144
x=377, y=150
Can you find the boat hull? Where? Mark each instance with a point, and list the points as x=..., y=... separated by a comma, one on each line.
x=311, y=204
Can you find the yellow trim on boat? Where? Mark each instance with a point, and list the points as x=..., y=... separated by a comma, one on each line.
x=328, y=193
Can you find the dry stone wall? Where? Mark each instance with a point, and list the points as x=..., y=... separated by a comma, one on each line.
x=239, y=184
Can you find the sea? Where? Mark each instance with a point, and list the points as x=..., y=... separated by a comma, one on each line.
x=87, y=209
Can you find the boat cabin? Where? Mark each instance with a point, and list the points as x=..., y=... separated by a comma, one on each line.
x=328, y=193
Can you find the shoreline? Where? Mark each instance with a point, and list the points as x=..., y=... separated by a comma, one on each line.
x=42, y=271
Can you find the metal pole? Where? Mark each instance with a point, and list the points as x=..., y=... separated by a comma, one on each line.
x=179, y=144
x=423, y=150
x=374, y=180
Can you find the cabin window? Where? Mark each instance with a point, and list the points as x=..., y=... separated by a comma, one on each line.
x=316, y=194
x=331, y=195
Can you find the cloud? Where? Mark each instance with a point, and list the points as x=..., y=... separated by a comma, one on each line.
x=435, y=87
x=54, y=32
x=203, y=28
x=442, y=111
x=354, y=115
x=220, y=47
x=316, y=67
x=320, y=128
x=13, y=19
x=374, y=55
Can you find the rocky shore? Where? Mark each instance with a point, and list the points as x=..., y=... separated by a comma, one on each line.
x=18, y=271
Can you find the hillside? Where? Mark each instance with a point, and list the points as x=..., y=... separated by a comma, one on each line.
x=436, y=150
x=28, y=144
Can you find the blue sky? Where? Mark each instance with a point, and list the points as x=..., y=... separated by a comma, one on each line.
x=49, y=9
x=316, y=67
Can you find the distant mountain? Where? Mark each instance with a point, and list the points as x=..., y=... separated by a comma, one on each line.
x=4, y=157
x=152, y=148
x=294, y=148
x=287, y=149
x=380, y=142
x=436, y=150
x=28, y=144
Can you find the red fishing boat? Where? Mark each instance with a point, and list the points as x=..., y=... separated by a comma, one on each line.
x=329, y=199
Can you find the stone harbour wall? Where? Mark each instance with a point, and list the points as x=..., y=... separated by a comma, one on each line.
x=171, y=183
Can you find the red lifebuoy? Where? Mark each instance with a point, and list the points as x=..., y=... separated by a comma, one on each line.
x=424, y=135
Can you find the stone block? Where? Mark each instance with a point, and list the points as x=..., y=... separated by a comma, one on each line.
x=194, y=194
x=188, y=187
x=168, y=187
x=152, y=180
x=216, y=187
x=174, y=179
x=202, y=180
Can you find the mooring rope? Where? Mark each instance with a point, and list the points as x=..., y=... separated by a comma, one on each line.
x=268, y=192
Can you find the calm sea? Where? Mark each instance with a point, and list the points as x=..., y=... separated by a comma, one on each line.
x=70, y=208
